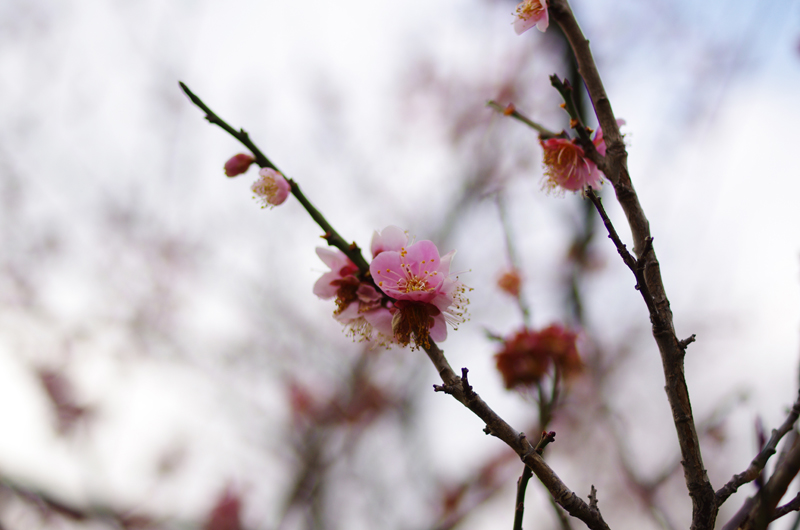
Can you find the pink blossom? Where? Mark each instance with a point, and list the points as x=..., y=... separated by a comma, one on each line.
x=238, y=164
x=359, y=306
x=426, y=297
x=567, y=167
x=390, y=238
x=531, y=13
x=272, y=188
x=598, y=140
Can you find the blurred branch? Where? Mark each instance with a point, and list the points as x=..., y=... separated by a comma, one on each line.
x=513, y=259
x=704, y=506
x=510, y=110
x=760, y=461
x=333, y=238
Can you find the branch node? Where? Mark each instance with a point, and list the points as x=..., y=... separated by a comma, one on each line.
x=593, y=499
x=468, y=392
x=685, y=342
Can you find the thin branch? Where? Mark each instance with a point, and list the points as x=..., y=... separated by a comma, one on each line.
x=519, y=509
x=760, y=461
x=791, y=506
x=330, y=235
x=510, y=110
x=575, y=120
x=635, y=265
x=704, y=507
x=757, y=512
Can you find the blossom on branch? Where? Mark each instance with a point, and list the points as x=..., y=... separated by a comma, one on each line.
x=271, y=187
x=238, y=164
x=528, y=355
x=566, y=166
x=427, y=297
x=531, y=13
x=359, y=306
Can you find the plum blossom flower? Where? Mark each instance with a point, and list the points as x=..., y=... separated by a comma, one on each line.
x=566, y=165
x=531, y=13
x=528, y=355
x=426, y=296
x=238, y=164
x=271, y=187
x=359, y=306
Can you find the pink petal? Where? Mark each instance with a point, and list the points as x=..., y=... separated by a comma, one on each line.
x=390, y=238
x=323, y=287
x=381, y=321
x=439, y=329
x=335, y=259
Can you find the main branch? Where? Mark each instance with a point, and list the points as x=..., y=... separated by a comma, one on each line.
x=704, y=505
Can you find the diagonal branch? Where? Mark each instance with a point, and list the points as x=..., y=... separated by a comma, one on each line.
x=672, y=350
x=331, y=236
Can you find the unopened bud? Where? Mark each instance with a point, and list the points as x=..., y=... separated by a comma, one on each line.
x=238, y=164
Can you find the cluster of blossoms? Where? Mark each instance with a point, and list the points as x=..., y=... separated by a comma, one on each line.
x=528, y=355
x=408, y=296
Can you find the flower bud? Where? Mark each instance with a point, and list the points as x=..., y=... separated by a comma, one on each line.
x=238, y=164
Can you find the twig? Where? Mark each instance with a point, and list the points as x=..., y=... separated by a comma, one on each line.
x=791, y=506
x=760, y=461
x=704, y=507
x=522, y=484
x=575, y=120
x=330, y=235
x=510, y=110
x=636, y=266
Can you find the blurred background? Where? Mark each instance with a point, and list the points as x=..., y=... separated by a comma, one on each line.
x=164, y=363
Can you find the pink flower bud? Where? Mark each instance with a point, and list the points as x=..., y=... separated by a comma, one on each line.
x=272, y=188
x=238, y=164
x=531, y=13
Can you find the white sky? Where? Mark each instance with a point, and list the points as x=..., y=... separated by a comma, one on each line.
x=93, y=117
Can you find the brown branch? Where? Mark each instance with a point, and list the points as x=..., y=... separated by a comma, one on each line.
x=498, y=427
x=760, y=461
x=519, y=507
x=758, y=511
x=704, y=506
x=791, y=506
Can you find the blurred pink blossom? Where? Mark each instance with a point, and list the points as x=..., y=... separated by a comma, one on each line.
x=272, y=188
x=531, y=13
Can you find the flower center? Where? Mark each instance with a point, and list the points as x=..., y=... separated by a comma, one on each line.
x=414, y=283
x=530, y=9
